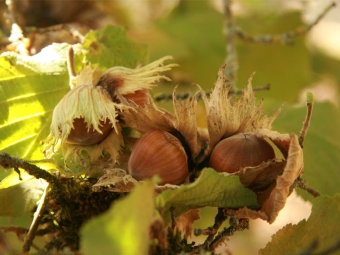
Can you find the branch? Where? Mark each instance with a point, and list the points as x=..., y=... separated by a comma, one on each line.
x=7, y=161
x=240, y=226
x=302, y=184
x=232, y=58
x=220, y=218
x=181, y=96
x=34, y=225
x=284, y=38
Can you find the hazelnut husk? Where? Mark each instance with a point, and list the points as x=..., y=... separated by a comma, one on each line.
x=158, y=153
x=238, y=151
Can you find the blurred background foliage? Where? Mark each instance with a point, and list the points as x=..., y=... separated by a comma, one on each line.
x=193, y=32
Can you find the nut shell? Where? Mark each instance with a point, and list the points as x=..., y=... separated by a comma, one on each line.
x=158, y=153
x=241, y=150
x=82, y=135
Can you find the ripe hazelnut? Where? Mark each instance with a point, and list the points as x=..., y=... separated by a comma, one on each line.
x=241, y=150
x=140, y=97
x=81, y=134
x=158, y=153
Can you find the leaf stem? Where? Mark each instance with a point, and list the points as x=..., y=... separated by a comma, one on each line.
x=310, y=103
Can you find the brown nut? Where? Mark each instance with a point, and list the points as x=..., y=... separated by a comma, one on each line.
x=241, y=150
x=82, y=135
x=158, y=153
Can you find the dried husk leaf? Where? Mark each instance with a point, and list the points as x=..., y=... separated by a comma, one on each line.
x=111, y=144
x=124, y=80
x=185, y=122
x=93, y=105
x=258, y=178
x=228, y=116
x=88, y=76
x=115, y=180
x=147, y=117
x=273, y=199
x=185, y=222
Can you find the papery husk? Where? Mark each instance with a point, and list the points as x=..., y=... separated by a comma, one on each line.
x=124, y=80
x=185, y=222
x=273, y=199
x=112, y=145
x=227, y=116
x=147, y=117
x=150, y=117
x=185, y=122
x=93, y=104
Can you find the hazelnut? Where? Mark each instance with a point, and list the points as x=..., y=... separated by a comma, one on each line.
x=158, y=153
x=241, y=150
x=140, y=97
x=81, y=134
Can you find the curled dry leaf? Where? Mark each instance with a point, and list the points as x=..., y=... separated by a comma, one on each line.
x=275, y=176
x=186, y=221
x=115, y=180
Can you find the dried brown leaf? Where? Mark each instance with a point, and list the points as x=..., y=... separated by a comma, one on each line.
x=147, y=117
x=282, y=141
x=258, y=178
x=185, y=222
x=185, y=122
x=115, y=180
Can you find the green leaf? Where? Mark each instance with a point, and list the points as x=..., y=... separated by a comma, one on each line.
x=124, y=228
x=31, y=86
x=111, y=46
x=321, y=144
x=210, y=189
x=322, y=226
x=16, y=200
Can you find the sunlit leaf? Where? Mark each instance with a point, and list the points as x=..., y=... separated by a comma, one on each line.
x=30, y=88
x=124, y=228
x=210, y=189
x=16, y=200
x=322, y=226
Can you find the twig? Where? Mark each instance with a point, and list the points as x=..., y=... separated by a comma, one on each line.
x=173, y=218
x=302, y=184
x=17, y=230
x=284, y=38
x=7, y=161
x=232, y=58
x=182, y=96
x=220, y=217
x=242, y=225
x=70, y=67
x=34, y=225
x=310, y=103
